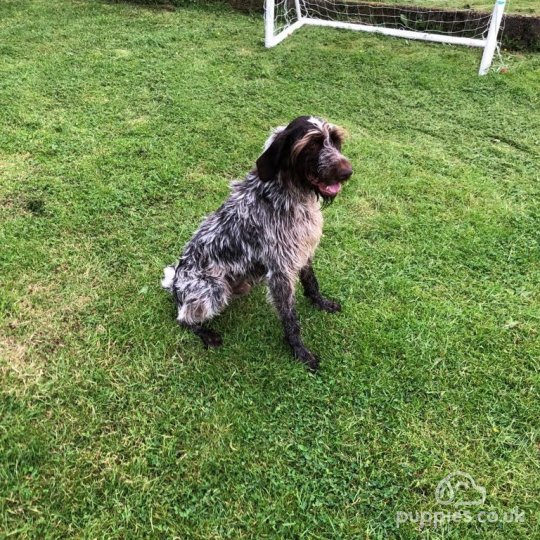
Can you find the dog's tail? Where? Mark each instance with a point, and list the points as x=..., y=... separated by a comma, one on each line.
x=169, y=273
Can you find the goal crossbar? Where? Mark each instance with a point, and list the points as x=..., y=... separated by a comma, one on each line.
x=489, y=42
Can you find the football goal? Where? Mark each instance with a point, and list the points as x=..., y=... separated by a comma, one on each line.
x=408, y=20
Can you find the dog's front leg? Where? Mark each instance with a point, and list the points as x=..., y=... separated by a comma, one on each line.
x=282, y=294
x=311, y=290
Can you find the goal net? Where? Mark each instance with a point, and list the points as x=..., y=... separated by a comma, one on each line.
x=406, y=19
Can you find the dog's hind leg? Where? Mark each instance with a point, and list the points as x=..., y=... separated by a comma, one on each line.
x=199, y=300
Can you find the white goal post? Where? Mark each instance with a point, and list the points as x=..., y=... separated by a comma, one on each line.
x=456, y=27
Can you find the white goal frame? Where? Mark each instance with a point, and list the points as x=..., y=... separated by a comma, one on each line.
x=489, y=42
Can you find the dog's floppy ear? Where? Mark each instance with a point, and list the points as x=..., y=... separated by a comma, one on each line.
x=270, y=161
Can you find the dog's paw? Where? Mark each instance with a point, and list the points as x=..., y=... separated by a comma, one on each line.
x=329, y=305
x=211, y=339
x=307, y=358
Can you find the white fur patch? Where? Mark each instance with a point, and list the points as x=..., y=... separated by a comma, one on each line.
x=317, y=122
x=168, y=277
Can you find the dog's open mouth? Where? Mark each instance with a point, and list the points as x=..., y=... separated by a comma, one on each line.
x=328, y=190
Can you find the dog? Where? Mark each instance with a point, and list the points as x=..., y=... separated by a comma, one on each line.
x=267, y=230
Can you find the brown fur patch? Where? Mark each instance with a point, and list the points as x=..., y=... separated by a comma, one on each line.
x=338, y=134
x=304, y=141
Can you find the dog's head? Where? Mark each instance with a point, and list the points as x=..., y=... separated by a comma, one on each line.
x=307, y=152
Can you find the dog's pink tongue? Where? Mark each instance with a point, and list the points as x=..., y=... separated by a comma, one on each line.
x=333, y=189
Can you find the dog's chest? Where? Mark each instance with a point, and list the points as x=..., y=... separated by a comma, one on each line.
x=305, y=233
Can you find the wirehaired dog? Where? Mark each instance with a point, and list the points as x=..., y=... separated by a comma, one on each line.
x=268, y=229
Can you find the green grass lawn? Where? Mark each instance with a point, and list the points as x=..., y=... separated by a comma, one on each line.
x=121, y=128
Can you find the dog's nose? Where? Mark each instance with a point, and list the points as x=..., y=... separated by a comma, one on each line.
x=345, y=173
